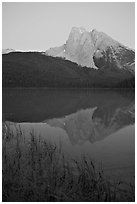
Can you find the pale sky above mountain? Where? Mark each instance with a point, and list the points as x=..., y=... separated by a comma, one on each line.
x=39, y=26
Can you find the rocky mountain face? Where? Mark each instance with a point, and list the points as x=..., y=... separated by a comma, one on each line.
x=95, y=50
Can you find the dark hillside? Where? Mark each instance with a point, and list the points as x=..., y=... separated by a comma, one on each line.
x=33, y=69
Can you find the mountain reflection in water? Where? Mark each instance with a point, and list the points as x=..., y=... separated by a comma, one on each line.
x=94, y=124
x=82, y=119
x=37, y=105
x=85, y=115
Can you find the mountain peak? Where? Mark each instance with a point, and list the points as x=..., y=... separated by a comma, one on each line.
x=78, y=29
x=94, y=49
x=75, y=34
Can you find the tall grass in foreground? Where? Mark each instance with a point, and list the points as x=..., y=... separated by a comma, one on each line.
x=36, y=170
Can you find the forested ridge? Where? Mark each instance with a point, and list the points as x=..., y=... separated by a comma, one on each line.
x=34, y=69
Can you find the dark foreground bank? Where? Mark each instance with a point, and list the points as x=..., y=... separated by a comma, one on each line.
x=39, y=171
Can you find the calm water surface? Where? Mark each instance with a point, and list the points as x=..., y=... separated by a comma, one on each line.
x=97, y=123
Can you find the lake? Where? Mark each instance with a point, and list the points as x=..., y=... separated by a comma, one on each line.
x=97, y=123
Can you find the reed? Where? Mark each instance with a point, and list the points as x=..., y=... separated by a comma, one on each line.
x=37, y=170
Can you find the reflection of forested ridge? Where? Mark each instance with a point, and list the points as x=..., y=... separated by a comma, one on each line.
x=95, y=124
x=36, y=105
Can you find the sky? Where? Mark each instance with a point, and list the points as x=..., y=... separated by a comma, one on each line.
x=41, y=25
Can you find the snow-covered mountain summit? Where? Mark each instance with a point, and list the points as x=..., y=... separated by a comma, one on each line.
x=94, y=49
x=8, y=50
